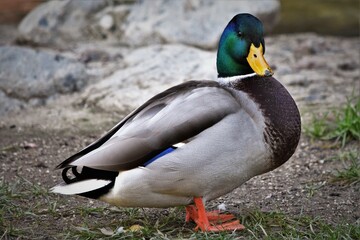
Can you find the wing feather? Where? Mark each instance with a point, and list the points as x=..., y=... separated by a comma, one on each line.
x=173, y=116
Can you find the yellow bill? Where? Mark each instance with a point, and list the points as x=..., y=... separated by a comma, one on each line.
x=257, y=61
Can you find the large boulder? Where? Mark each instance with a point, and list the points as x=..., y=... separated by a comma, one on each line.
x=149, y=71
x=196, y=23
x=58, y=22
x=33, y=76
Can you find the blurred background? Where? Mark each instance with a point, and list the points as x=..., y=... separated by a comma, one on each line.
x=329, y=17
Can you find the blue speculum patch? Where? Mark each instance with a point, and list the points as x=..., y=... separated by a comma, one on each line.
x=163, y=153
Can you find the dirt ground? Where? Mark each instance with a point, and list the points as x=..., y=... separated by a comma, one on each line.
x=30, y=149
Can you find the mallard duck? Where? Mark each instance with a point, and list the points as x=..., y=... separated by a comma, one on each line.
x=195, y=141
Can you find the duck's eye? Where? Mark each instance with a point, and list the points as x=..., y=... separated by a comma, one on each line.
x=240, y=34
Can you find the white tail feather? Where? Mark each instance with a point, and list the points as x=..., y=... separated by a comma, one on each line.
x=80, y=187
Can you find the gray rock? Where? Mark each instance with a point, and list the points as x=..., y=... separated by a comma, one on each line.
x=197, y=23
x=149, y=71
x=26, y=74
x=57, y=22
x=192, y=22
x=8, y=104
x=108, y=23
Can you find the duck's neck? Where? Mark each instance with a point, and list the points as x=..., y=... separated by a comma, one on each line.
x=228, y=67
x=234, y=79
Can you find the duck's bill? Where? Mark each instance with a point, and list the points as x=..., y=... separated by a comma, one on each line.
x=257, y=61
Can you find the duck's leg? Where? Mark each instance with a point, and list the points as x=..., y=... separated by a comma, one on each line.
x=211, y=221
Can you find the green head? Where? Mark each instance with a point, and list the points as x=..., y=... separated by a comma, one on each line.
x=241, y=48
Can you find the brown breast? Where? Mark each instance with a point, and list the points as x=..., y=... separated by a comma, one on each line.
x=282, y=117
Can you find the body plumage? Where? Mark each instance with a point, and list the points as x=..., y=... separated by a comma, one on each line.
x=199, y=139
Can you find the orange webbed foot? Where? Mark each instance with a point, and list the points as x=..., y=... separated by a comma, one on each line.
x=211, y=221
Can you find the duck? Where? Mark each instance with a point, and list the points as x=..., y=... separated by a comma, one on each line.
x=196, y=141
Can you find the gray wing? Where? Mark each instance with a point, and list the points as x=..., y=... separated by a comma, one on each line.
x=173, y=116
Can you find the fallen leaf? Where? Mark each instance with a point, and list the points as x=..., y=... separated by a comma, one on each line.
x=135, y=228
x=106, y=231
